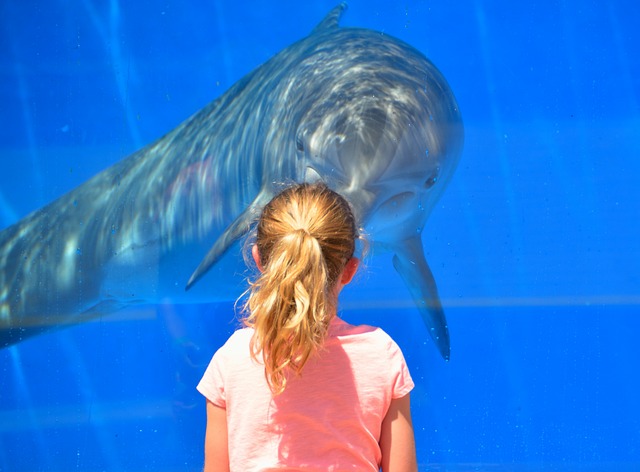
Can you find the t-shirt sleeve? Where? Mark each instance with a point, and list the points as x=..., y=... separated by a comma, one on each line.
x=402, y=383
x=212, y=383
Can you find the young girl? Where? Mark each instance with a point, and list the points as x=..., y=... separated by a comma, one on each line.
x=298, y=388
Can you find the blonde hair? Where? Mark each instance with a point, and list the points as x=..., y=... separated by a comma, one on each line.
x=305, y=236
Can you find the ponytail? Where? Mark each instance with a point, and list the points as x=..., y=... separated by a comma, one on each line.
x=304, y=237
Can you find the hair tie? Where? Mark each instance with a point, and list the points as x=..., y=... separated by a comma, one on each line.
x=304, y=231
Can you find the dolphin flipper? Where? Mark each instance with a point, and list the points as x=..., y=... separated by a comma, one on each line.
x=412, y=266
x=238, y=228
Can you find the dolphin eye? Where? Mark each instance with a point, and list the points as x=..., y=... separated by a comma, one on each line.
x=432, y=179
x=299, y=144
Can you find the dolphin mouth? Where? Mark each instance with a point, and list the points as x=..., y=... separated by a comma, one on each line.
x=397, y=217
x=401, y=203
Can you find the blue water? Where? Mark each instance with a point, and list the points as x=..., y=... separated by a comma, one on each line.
x=534, y=245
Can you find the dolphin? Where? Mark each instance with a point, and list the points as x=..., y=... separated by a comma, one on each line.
x=361, y=110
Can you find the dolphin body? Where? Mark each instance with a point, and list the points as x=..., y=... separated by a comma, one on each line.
x=363, y=111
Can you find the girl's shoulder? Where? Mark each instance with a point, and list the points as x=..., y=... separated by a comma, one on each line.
x=238, y=340
x=360, y=333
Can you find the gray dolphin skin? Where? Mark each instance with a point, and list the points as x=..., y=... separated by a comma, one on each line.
x=363, y=111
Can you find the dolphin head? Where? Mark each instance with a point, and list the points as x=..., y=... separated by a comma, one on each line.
x=381, y=126
x=384, y=130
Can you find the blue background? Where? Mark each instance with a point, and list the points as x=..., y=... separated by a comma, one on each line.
x=534, y=245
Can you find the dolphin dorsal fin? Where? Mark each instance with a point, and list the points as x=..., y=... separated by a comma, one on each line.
x=332, y=19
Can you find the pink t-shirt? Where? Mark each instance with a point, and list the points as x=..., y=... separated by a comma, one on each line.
x=327, y=419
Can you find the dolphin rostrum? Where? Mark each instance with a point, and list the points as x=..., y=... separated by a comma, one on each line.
x=364, y=112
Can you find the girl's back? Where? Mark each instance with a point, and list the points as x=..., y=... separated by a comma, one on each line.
x=328, y=418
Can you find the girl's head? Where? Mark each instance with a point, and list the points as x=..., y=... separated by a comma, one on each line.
x=305, y=240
